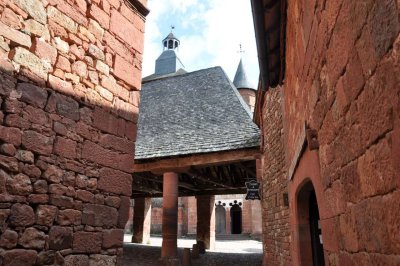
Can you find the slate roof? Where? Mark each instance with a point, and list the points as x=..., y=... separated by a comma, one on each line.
x=240, y=80
x=154, y=76
x=197, y=112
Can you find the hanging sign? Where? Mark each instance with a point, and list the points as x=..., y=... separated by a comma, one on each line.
x=253, y=190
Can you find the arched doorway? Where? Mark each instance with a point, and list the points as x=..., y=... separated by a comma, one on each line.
x=310, y=235
x=236, y=218
x=220, y=219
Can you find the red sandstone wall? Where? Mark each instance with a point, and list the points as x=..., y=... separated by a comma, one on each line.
x=275, y=215
x=342, y=78
x=249, y=96
x=69, y=80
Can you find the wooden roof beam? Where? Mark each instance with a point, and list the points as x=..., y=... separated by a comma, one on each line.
x=207, y=159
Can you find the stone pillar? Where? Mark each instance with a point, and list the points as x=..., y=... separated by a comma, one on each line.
x=170, y=216
x=228, y=221
x=141, y=220
x=206, y=221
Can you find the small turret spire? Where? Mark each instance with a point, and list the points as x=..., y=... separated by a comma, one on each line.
x=240, y=81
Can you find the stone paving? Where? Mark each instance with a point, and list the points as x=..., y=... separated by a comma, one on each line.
x=235, y=251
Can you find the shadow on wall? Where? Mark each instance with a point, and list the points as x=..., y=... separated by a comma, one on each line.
x=66, y=157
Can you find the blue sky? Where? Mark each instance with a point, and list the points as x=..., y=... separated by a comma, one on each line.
x=210, y=32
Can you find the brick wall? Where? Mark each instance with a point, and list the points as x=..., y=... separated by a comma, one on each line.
x=342, y=79
x=69, y=80
x=275, y=214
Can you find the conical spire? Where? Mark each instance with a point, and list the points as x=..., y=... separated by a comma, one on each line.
x=240, y=81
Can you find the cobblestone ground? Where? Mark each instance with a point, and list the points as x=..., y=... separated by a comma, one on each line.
x=229, y=252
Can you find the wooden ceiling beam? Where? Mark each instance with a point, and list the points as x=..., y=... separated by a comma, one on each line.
x=197, y=174
x=202, y=160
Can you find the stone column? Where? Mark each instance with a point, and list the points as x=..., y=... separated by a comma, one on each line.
x=206, y=221
x=141, y=220
x=170, y=216
x=228, y=221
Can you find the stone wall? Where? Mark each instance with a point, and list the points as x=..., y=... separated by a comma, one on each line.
x=342, y=80
x=275, y=222
x=69, y=79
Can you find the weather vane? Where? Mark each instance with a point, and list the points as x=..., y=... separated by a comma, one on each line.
x=241, y=51
x=172, y=27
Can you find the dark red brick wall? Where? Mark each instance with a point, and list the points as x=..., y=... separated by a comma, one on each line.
x=69, y=80
x=275, y=214
x=342, y=79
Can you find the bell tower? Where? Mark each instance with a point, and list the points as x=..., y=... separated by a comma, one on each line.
x=168, y=62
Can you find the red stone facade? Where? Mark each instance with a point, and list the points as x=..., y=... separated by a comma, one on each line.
x=249, y=96
x=342, y=84
x=275, y=213
x=69, y=80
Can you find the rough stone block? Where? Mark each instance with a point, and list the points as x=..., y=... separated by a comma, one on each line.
x=76, y=260
x=96, y=29
x=9, y=239
x=60, y=237
x=113, y=238
x=62, y=201
x=127, y=72
x=36, y=116
x=62, y=19
x=20, y=257
x=118, y=47
x=44, y=50
x=11, y=135
x=80, y=68
x=104, y=260
x=37, y=142
x=30, y=61
x=25, y=156
x=45, y=214
x=8, y=149
x=100, y=16
x=9, y=163
x=33, y=95
x=34, y=8
x=96, y=52
x=97, y=154
x=123, y=212
x=69, y=217
x=113, y=201
x=46, y=257
x=36, y=28
x=115, y=181
x=61, y=45
x=15, y=35
x=65, y=147
x=99, y=215
x=53, y=174
x=87, y=242
x=38, y=198
x=11, y=19
x=32, y=238
x=63, y=105
x=19, y=185
x=124, y=29
x=85, y=196
x=21, y=215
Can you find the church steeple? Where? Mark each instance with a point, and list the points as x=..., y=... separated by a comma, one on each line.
x=168, y=62
x=171, y=42
x=240, y=81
